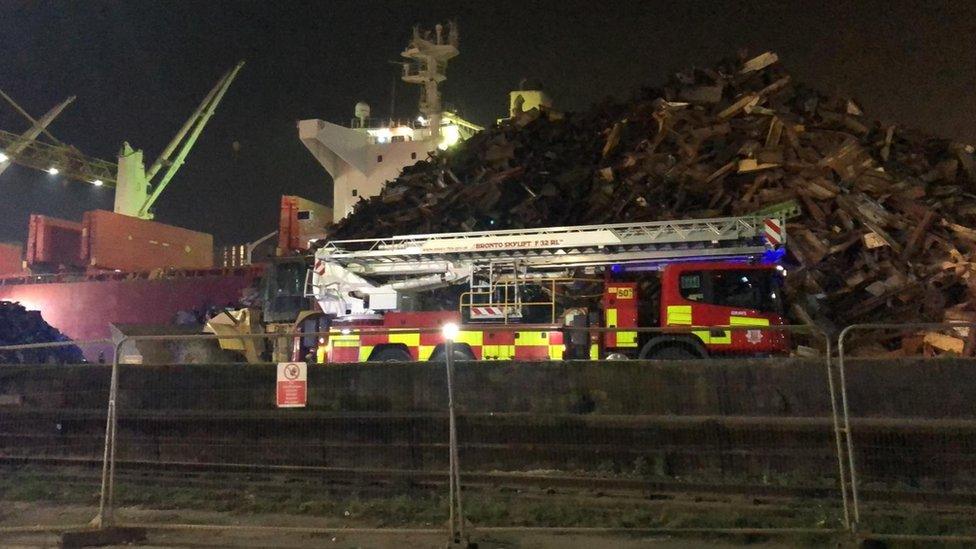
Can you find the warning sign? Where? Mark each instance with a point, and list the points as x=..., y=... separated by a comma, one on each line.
x=292, y=384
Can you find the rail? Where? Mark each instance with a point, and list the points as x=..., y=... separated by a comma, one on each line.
x=158, y=274
x=380, y=123
x=506, y=309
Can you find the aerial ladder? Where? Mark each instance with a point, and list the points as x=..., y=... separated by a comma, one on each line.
x=364, y=277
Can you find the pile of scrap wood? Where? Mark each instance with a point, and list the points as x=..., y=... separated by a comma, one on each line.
x=885, y=227
x=18, y=326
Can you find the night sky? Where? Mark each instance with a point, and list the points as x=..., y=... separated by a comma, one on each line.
x=139, y=68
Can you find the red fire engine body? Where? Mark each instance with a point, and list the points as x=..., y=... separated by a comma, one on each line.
x=739, y=290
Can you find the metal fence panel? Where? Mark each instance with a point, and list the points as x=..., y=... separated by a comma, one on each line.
x=911, y=428
x=52, y=433
x=666, y=445
x=742, y=446
x=364, y=452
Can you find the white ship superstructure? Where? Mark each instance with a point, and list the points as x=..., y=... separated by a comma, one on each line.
x=364, y=155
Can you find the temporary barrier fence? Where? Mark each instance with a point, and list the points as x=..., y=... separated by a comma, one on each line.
x=52, y=436
x=201, y=429
x=909, y=424
x=660, y=443
x=523, y=440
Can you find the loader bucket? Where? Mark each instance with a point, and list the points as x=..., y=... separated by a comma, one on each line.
x=235, y=323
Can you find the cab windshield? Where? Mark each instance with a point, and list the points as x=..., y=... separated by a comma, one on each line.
x=756, y=289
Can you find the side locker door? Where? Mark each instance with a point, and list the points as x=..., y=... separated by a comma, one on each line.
x=620, y=311
x=498, y=345
x=706, y=314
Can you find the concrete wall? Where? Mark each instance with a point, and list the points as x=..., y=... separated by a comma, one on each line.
x=943, y=388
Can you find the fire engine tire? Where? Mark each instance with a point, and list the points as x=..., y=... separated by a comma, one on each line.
x=672, y=352
x=391, y=354
x=461, y=352
x=671, y=349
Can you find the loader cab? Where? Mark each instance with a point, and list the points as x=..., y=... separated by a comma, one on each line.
x=283, y=289
x=288, y=310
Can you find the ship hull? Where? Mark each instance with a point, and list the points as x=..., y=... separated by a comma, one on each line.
x=85, y=310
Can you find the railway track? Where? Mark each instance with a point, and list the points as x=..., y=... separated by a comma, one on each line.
x=269, y=477
x=919, y=452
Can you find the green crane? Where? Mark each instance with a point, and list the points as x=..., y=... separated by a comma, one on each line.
x=135, y=191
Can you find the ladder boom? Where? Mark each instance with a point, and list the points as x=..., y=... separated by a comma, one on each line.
x=556, y=246
x=417, y=262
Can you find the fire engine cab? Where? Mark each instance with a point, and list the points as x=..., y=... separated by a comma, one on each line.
x=538, y=294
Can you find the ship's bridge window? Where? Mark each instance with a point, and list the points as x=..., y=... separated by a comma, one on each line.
x=398, y=139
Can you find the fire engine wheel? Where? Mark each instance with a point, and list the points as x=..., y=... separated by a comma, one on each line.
x=391, y=354
x=617, y=356
x=672, y=348
x=672, y=352
x=461, y=352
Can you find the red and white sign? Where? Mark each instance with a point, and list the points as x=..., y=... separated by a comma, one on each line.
x=490, y=312
x=774, y=231
x=292, y=384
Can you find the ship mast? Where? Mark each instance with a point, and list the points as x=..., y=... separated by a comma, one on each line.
x=428, y=55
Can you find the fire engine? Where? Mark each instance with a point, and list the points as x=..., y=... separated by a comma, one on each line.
x=536, y=294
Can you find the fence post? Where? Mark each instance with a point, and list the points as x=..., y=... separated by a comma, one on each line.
x=106, y=497
x=847, y=424
x=835, y=416
x=456, y=511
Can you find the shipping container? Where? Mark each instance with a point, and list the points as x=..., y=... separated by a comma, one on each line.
x=11, y=258
x=53, y=242
x=301, y=220
x=123, y=243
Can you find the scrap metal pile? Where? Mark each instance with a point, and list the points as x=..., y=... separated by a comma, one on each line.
x=886, y=221
x=18, y=326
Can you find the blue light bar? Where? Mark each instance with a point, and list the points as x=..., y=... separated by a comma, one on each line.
x=774, y=256
x=618, y=268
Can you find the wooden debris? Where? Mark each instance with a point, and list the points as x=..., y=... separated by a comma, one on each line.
x=613, y=139
x=759, y=62
x=916, y=236
x=872, y=240
x=751, y=165
x=943, y=342
x=742, y=103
